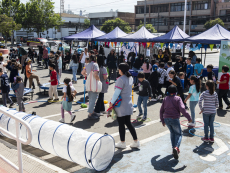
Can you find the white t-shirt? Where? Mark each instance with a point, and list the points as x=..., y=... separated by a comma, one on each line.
x=168, y=70
x=2, y=67
x=83, y=57
x=64, y=90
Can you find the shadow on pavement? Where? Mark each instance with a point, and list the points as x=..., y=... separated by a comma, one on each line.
x=221, y=112
x=204, y=149
x=186, y=132
x=85, y=124
x=166, y=164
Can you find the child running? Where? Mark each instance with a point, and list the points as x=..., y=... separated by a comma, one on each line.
x=68, y=89
x=194, y=93
x=170, y=111
x=210, y=99
x=18, y=87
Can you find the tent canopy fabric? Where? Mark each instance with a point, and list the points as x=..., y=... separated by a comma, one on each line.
x=112, y=36
x=175, y=35
x=213, y=35
x=142, y=35
x=88, y=34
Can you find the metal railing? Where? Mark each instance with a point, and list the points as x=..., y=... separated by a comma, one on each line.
x=17, y=137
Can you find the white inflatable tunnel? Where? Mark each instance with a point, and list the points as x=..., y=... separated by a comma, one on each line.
x=88, y=149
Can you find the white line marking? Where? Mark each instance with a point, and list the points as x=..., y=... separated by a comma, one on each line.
x=222, y=147
x=208, y=158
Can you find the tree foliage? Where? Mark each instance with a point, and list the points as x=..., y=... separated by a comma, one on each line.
x=40, y=16
x=86, y=23
x=148, y=27
x=110, y=25
x=212, y=23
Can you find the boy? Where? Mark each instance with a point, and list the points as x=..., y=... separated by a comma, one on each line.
x=163, y=75
x=211, y=74
x=3, y=65
x=189, y=72
x=181, y=76
x=177, y=65
x=53, y=83
x=18, y=87
x=5, y=88
x=224, y=87
x=154, y=82
x=198, y=69
x=169, y=65
x=144, y=94
x=30, y=75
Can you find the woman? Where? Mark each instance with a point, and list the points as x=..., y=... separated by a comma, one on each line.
x=82, y=58
x=74, y=68
x=112, y=64
x=123, y=88
x=192, y=55
x=147, y=67
x=160, y=56
x=167, y=54
x=100, y=107
x=14, y=68
x=92, y=66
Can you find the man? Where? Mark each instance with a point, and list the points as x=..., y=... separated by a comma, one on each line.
x=23, y=53
x=30, y=75
x=121, y=58
x=45, y=56
x=40, y=48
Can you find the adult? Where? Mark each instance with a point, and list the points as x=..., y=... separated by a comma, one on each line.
x=23, y=53
x=75, y=65
x=112, y=64
x=66, y=60
x=101, y=51
x=123, y=88
x=193, y=56
x=59, y=61
x=40, y=50
x=121, y=58
x=92, y=66
x=45, y=56
x=100, y=107
x=137, y=65
x=160, y=56
x=14, y=68
x=60, y=48
x=82, y=58
x=147, y=67
x=79, y=50
x=167, y=55
x=3, y=65
x=30, y=75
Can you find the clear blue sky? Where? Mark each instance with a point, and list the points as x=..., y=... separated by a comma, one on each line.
x=96, y=5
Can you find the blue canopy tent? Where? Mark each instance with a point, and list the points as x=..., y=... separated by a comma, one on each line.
x=175, y=35
x=86, y=35
x=112, y=36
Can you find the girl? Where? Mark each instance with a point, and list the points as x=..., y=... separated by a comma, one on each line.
x=146, y=68
x=68, y=89
x=75, y=68
x=194, y=93
x=18, y=87
x=170, y=111
x=208, y=109
x=160, y=56
x=14, y=68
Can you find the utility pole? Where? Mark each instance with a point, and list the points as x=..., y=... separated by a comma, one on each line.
x=185, y=10
x=145, y=14
x=190, y=21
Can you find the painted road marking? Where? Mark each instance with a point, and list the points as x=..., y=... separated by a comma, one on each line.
x=222, y=147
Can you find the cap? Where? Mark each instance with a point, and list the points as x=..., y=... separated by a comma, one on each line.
x=78, y=46
x=60, y=43
x=155, y=67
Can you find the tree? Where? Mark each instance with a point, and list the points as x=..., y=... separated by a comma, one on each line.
x=40, y=16
x=148, y=27
x=7, y=25
x=86, y=23
x=212, y=23
x=110, y=25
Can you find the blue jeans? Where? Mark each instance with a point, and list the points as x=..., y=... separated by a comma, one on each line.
x=192, y=108
x=58, y=78
x=175, y=131
x=92, y=100
x=136, y=71
x=208, y=122
x=74, y=70
x=143, y=99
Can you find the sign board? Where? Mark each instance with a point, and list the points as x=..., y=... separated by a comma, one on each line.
x=127, y=49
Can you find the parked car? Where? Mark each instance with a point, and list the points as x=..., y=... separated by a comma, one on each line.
x=54, y=45
x=33, y=42
x=2, y=45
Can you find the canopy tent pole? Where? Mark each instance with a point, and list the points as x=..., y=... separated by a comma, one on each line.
x=205, y=57
x=183, y=49
x=201, y=55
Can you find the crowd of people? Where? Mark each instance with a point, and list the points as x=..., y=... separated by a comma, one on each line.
x=150, y=79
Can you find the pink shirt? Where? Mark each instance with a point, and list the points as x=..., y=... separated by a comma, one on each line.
x=145, y=70
x=45, y=53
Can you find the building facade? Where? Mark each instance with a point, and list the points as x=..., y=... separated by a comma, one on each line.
x=98, y=19
x=164, y=15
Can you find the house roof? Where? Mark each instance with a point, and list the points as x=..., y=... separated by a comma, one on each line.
x=71, y=15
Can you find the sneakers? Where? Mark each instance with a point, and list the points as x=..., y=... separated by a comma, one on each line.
x=176, y=152
x=121, y=145
x=49, y=100
x=220, y=107
x=56, y=100
x=154, y=100
x=228, y=107
x=135, y=144
x=191, y=124
x=139, y=115
x=62, y=120
x=186, y=107
x=143, y=118
x=205, y=139
x=12, y=104
x=72, y=118
x=159, y=97
x=92, y=117
x=211, y=140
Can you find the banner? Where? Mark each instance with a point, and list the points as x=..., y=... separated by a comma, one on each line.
x=148, y=44
x=162, y=44
x=153, y=44
x=126, y=51
x=211, y=46
x=224, y=56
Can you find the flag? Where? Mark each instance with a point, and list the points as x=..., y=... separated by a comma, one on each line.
x=211, y=46
x=162, y=44
x=205, y=47
x=153, y=44
x=148, y=44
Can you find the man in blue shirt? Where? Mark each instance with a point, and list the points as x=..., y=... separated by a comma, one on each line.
x=189, y=72
x=79, y=50
x=198, y=70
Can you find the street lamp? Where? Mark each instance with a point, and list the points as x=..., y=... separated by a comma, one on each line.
x=185, y=10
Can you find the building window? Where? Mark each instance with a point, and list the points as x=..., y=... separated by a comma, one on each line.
x=141, y=9
x=159, y=21
x=200, y=20
x=178, y=21
x=159, y=8
x=179, y=6
x=201, y=5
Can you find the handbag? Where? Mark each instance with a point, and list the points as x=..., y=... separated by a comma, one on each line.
x=92, y=84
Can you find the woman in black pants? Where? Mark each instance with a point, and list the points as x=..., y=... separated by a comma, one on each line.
x=123, y=88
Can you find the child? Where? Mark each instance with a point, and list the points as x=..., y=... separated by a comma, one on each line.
x=169, y=65
x=208, y=109
x=194, y=93
x=211, y=74
x=144, y=94
x=154, y=82
x=163, y=75
x=198, y=69
x=18, y=87
x=189, y=72
x=181, y=76
x=170, y=111
x=177, y=65
x=2, y=64
x=5, y=88
x=53, y=83
x=68, y=89
x=59, y=61
x=147, y=67
x=224, y=88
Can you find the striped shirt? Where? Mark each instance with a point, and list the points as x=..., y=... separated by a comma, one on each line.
x=210, y=102
x=163, y=74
